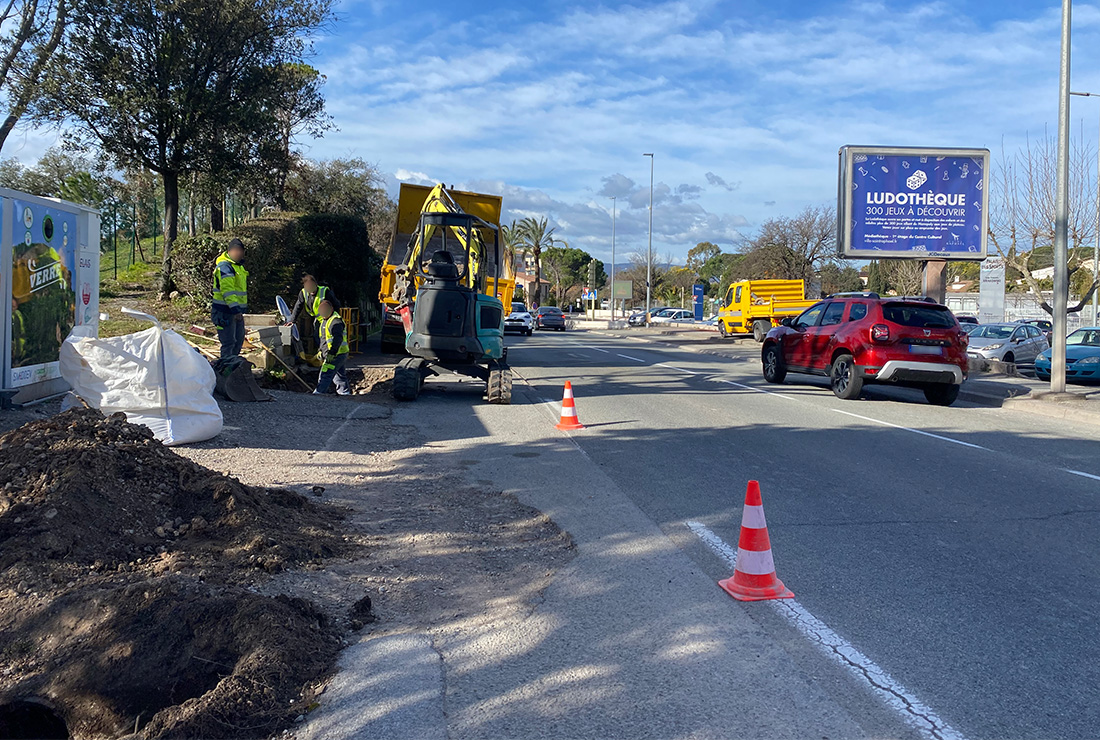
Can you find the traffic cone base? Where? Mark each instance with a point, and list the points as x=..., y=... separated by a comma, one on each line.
x=569, y=420
x=754, y=577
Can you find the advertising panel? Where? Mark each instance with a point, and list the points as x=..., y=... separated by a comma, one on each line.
x=43, y=297
x=991, y=300
x=697, y=301
x=913, y=203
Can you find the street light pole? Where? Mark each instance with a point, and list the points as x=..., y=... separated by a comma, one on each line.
x=649, y=252
x=612, y=301
x=1096, y=249
x=1061, y=214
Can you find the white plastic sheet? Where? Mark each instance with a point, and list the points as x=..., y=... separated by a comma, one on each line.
x=154, y=377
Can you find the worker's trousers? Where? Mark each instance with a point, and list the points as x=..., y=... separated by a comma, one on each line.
x=230, y=332
x=338, y=373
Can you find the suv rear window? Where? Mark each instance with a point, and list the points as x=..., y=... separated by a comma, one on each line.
x=928, y=317
x=550, y=310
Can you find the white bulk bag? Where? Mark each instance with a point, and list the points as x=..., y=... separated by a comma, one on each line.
x=154, y=377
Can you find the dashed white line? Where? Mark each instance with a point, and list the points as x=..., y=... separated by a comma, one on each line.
x=605, y=351
x=677, y=369
x=912, y=710
x=1083, y=475
x=630, y=358
x=914, y=431
x=754, y=388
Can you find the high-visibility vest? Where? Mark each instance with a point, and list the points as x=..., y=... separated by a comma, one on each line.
x=326, y=334
x=230, y=291
x=313, y=307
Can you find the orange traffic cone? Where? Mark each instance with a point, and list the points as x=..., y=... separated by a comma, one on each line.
x=569, y=420
x=754, y=577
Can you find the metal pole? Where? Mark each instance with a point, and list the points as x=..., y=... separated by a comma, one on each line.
x=1096, y=249
x=649, y=251
x=613, y=204
x=1061, y=214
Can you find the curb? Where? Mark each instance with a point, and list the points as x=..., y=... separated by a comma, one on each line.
x=1054, y=410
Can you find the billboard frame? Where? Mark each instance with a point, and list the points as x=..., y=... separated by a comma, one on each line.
x=845, y=203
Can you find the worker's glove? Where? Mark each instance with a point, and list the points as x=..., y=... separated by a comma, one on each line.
x=326, y=367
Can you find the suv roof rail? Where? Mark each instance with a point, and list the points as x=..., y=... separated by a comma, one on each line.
x=856, y=294
x=918, y=298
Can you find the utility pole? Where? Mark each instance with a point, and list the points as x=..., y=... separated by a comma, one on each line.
x=1061, y=214
x=649, y=251
x=1096, y=249
x=612, y=302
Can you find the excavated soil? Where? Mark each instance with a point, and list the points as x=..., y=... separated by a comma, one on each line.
x=126, y=586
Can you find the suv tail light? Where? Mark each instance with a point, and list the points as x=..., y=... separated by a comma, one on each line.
x=880, y=333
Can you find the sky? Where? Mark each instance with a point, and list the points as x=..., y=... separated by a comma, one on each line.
x=743, y=104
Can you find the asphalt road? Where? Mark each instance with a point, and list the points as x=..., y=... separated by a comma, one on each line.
x=955, y=547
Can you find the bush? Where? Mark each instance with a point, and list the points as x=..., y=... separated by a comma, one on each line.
x=279, y=249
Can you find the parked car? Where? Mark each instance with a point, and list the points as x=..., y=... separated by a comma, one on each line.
x=1018, y=343
x=969, y=328
x=673, y=315
x=520, y=321
x=549, y=317
x=966, y=319
x=859, y=339
x=638, y=319
x=1082, y=356
x=1045, y=326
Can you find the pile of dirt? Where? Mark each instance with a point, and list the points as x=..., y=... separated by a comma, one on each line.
x=371, y=380
x=128, y=586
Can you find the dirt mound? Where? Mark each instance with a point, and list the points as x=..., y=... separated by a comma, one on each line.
x=127, y=586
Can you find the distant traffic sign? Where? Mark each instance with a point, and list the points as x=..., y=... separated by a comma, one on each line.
x=588, y=295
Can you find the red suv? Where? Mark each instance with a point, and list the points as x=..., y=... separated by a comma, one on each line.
x=857, y=338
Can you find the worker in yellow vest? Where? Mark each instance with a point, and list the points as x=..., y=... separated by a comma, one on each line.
x=309, y=302
x=334, y=351
x=230, y=298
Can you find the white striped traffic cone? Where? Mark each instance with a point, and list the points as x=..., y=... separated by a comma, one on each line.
x=754, y=577
x=569, y=420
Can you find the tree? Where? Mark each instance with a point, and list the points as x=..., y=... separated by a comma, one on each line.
x=700, y=254
x=567, y=268
x=906, y=277
x=301, y=109
x=719, y=271
x=676, y=286
x=837, y=279
x=349, y=187
x=177, y=86
x=30, y=32
x=876, y=278
x=794, y=248
x=1022, y=210
x=536, y=235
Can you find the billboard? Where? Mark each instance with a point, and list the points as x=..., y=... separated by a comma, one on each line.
x=991, y=301
x=43, y=301
x=913, y=203
x=697, y=301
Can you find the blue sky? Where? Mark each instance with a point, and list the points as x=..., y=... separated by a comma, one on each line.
x=744, y=103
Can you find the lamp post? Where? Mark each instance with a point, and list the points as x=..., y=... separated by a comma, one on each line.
x=1061, y=214
x=649, y=251
x=612, y=301
x=1096, y=249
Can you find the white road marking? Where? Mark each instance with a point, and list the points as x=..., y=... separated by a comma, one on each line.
x=914, y=431
x=630, y=358
x=754, y=388
x=1083, y=475
x=586, y=346
x=677, y=369
x=912, y=710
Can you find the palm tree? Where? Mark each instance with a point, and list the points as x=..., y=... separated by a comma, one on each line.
x=534, y=236
x=510, y=242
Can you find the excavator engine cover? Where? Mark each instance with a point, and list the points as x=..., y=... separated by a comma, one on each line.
x=444, y=321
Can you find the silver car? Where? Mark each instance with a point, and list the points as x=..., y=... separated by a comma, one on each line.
x=1018, y=343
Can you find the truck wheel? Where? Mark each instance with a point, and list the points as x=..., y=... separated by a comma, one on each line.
x=845, y=379
x=774, y=369
x=760, y=329
x=941, y=394
x=722, y=329
x=499, y=389
x=407, y=380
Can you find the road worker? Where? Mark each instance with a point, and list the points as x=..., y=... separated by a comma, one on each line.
x=334, y=351
x=230, y=298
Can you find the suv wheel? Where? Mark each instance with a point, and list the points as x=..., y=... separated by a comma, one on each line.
x=774, y=369
x=941, y=394
x=845, y=379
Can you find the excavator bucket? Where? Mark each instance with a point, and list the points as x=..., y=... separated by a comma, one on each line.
x=233, y=379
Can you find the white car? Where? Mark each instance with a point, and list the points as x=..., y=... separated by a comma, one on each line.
x=521, y=321
x=673, y=315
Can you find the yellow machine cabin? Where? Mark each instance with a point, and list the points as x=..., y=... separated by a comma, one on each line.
x=755, y=306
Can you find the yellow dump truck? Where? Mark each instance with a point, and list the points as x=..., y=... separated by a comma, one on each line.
x=755, y=306
x=401, y=276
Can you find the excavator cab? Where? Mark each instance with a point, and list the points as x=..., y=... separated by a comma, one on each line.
x=450, y=322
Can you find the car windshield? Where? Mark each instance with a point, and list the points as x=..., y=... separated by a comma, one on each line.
x=1086, y=337
x=924, y=316
x=993, y=331
x=970, y=328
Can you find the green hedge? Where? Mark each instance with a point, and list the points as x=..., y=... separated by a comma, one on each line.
x=279, y=249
